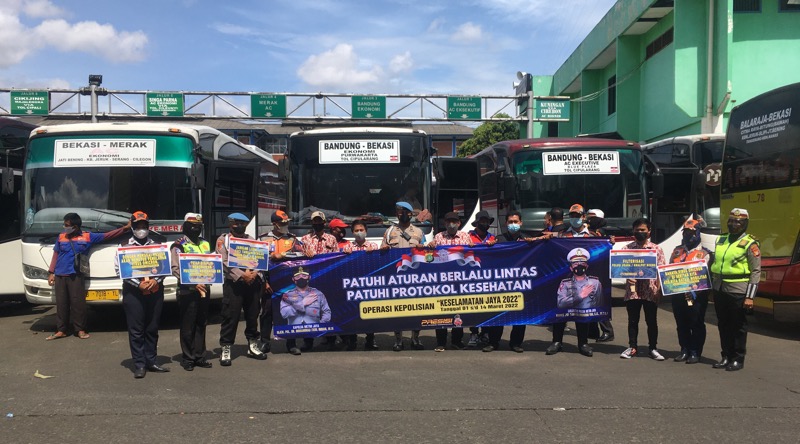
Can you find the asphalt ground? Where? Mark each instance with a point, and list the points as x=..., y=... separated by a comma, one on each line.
x=384, y=396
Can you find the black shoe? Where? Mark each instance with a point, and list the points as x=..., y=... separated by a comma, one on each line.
x=585, y=350
x=721, y=364
x=605, y=337
x=188, y=366
x=156, y=369
x=554, y=348
x=517, y=349
x=681, y=357
x=306, y=348
x=734, y=365
x=416, y=345
x=489, y=348
x=203, y=364
x=371, y=346
x=693, y=359
x=139, y=373
x=264, y=346
x=398, y=346
x=458, y=345
x=295, y=351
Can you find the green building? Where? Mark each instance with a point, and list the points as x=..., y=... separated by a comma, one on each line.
x=653, y=69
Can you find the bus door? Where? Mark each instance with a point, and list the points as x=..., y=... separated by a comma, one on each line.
x=682, y=195
x=455, y=189
x=231, y=187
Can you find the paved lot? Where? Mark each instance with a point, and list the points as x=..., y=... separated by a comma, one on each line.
x=391, y=397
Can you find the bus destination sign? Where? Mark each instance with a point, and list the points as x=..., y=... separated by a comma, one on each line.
x=104, y=152
x=580, y=162
x=359, y=151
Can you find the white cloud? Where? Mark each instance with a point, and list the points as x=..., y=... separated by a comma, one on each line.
x=94, y=38
x=436, y=25
x=41, y=9
x=339, y=68
x=11, y=52
x=401, y=63
x=17, y=82
x=467, y=33
x=237, y=30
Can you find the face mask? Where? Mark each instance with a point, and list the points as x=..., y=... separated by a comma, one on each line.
x=238, y=229
x=360, y=236
x=318, y=227
x=301, y=283
x=452, y=228
x=192, y=231
x=576, y=222
x=141, y=233
x=482, y=227
x=404, y=218
x=691, y=238
x=579, y=270
x=513, y=228
x=69, y=230
x=640, y=236
x=282, y=229
x=735, y=228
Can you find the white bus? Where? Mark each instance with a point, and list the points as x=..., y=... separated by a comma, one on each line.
x=106, y=171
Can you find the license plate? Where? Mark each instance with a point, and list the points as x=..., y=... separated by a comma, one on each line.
x=102, y=295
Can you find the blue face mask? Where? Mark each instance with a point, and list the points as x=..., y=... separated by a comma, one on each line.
x=513, y=228
x=576, y=222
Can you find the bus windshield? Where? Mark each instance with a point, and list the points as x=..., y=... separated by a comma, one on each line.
x=617, y=192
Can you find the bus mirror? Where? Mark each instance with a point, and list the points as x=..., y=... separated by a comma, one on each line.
x=700, y=181
x=658, y=185
x=198, y=176
x=8, y=181
x=509, y=186
x=283, y=169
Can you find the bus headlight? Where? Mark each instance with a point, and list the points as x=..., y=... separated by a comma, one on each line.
x=34, y=272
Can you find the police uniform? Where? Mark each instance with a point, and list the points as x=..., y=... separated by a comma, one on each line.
x=569, y=295
x=735, y=275
x=297, y=312
x=192, y=304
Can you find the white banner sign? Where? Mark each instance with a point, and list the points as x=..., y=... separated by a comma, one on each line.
x=104, y=152
x=359, y=151
x=580, y=162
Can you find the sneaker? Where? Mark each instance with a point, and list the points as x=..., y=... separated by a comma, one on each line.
x=398, y=346
x=254, y=351
x=458, y=345
x=417, y=345
x=488, y=349
x=629, y=353
x=517, y=349
x=654, y=354
x=264, y=346
x=473, y=340
x=225, y=356
x=295, y=351
x=483, y=339
x=439, y=348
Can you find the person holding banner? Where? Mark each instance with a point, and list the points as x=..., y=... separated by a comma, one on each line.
x=338, y=230
x=480, y=235
x=193, y=300
x=360, y=243
x=403, y=235
x=317, y=241
x=689, y=308
x=451, y=236
x=67, y=279
x=578, y=291
x=643, y=295
x=735, y=274
x=142, y=301
x=596, y=223
x=241, y=290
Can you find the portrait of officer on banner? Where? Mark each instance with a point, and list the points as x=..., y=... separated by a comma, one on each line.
x=579, y=290
x=304, y=304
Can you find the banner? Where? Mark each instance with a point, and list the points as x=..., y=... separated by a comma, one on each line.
x=684, y=277
x=634, y=264
x=145, y=261
x=248, y=253
x=451, y=286
x=200, y=268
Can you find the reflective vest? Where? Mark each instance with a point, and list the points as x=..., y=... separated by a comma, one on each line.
x=189, y=247
x=730, y=259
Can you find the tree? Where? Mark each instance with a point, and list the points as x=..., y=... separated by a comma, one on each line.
x=489, y=133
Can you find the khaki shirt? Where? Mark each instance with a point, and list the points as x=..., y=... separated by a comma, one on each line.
x=394, y=237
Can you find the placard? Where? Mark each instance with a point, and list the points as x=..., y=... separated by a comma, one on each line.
x=633, y=264
x=200, y=268
x=684, y=277
x=144, y=261
x=249, y=254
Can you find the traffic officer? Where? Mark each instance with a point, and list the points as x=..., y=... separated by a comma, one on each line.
x=282, y=245
x=241, y=290
x=689, y=308
x=404, y=234
x=142, y=301
x=735, y=274
x=193, y=300
x=303, y=305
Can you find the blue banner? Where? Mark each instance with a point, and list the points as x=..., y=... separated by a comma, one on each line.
x=511, y=283
x=200, y=268
x=143, y=261
x=248, y=254
x=634, y=264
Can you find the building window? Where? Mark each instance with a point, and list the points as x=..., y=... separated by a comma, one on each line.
x=746, y=5
x=612, y=95
x=789, y=6
x=552, y=129
x=658, y=44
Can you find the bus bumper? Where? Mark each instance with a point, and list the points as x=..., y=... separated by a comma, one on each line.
x=780, y=310
x=99, y=291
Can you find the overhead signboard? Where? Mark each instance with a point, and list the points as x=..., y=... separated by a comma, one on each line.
x=164, y=104
x=30, y=103
x=368, y=107
x=271, y=106
x=552, y=110
x=580, y=162
x=359, y=151
x=464, y=108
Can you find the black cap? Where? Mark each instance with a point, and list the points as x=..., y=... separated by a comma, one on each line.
x=452, y=215
x=482, y=214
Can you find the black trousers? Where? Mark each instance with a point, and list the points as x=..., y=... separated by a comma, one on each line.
x=581, y=329
x=732, y=324
x=691, y=322
x=635, y=307
x=238, y=296
x=265, y=317
x=193, y=314
x=495, y=333
x=143, y=313
x=70, y=303
x=457, y=336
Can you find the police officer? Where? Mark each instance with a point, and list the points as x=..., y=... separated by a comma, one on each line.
x=240, y=291
x=689, y=308
x=193, y=300
x=282, y=245
x=735, y=274
x=142, y=300
x=578, y=291
x=303, y=305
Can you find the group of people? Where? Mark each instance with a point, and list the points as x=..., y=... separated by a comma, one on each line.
x=734, y=265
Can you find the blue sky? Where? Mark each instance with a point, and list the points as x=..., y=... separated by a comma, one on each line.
x=386, y=46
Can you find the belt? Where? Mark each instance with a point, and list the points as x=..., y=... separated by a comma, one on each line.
x=735, y=276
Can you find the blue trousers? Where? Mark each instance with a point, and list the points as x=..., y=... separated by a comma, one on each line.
x=143, y=313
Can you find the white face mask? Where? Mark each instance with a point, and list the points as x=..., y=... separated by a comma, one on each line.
x=360, y=236
x=141, y=233
x=452, y=228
